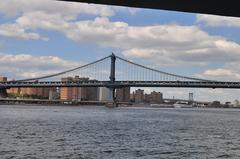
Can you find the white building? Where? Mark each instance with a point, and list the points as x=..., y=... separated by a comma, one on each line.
x=105, y=94
x=236, y=103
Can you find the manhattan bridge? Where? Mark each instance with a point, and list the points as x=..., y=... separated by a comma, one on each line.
x=115, y=72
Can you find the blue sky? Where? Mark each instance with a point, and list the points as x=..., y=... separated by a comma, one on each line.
x=44, y=36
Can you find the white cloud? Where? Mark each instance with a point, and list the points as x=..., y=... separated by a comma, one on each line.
x=66, y=9
x=221, y=74
x=51, y=9
x=218, y=72
x=16, y=31
x=212, y=20
x=165, y=44
x=25, y=65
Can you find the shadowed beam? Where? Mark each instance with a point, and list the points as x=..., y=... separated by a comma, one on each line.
x=216, y=7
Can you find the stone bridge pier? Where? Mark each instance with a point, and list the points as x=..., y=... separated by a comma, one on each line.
x=3, y=93
x=3, y=90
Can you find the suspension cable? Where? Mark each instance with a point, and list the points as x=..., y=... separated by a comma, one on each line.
x=61, y=73
x=170, y=74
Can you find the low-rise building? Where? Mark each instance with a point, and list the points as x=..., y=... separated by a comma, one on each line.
x=92, y=93
x=37, y=92
x=3, y=79
x=123, y=94
x=132, y=97
x=228, y=105
x=73, y=93
x=147, y=98
x=215, y=104
x=78, y=93
x=156, y=97
x=236, y=103
x=14, y=90
x=42, y=92
x=54, y=94
x=105, y=94
x=139, y=96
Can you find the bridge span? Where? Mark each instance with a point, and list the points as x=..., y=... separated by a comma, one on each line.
x=115, y=72
x=121, y=84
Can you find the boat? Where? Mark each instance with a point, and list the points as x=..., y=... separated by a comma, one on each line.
x=111, y=105
x=163, y=105
x=181, y=104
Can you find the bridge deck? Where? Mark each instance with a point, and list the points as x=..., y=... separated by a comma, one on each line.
x=119, y=84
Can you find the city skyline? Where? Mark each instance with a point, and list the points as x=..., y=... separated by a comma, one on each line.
x=124, y=94
x=189, y=44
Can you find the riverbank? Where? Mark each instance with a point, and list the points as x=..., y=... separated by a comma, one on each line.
x=7, y=101
x=45, y=102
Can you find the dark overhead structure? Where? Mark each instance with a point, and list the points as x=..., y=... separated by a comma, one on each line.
x=215, y=7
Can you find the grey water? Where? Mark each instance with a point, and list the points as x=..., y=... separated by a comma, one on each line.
x=29, y=132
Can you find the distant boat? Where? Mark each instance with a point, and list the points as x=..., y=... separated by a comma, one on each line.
x=111, y=105
x=181, y=104
x=163, y=105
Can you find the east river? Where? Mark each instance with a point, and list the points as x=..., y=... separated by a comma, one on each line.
x=49, y=132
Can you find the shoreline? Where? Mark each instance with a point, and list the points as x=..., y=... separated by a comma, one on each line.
x=133, y=105
x=46, y=102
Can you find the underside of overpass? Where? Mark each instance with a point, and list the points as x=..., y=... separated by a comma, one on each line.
x=215, y=7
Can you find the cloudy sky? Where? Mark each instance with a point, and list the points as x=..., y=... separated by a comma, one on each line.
x=45, y=36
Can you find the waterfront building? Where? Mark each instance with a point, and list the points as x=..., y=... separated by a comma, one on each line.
x=14, y=90
x=65, y=93
x=228, y=105
x=105, y=94
x=3, y=79
x=73, y=93
x=34, y=91
x=215, y=104
x=92, y=93
x=78, y=93
x=139, y=96
x=54, y=94
x=190, y=97
x=236, y=103
x=156, y=97
x=147, y=98
x=132, y=97
x=123, y=94
x=30, y=91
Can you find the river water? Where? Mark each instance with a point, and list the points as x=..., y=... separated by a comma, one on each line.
x=28, y=132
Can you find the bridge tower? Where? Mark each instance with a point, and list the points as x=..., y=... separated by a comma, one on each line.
x=112, y=78
x=112, y=73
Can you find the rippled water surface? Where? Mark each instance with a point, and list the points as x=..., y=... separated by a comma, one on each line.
x=99, y=132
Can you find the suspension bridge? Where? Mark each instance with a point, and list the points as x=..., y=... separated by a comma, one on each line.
x=116, y=72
